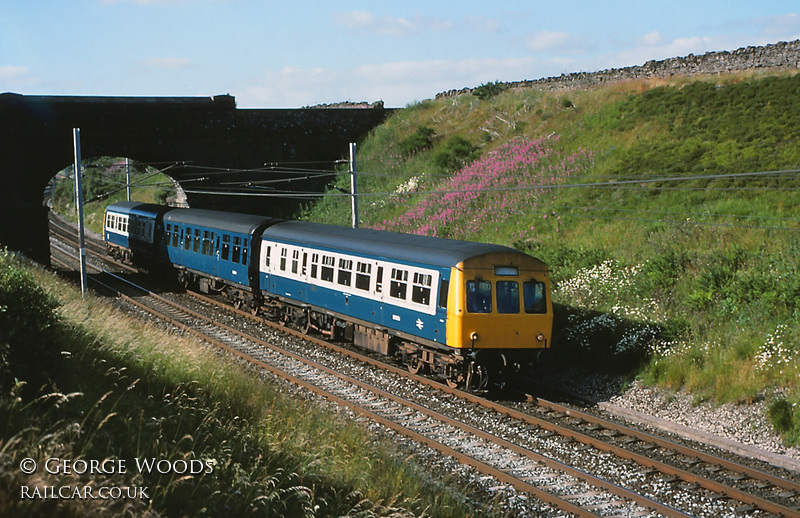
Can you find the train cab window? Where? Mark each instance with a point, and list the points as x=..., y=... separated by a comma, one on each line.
x=399, y=284
x=226, y=247
x=421, y=288
x=479, y=296
x=345, y=272
x=326, y=272
x=444, y=286
x=237, y=249
x=534, y=296
x=363, y=271
x=507, y=296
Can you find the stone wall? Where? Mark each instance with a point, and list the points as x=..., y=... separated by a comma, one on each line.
x=783, y=55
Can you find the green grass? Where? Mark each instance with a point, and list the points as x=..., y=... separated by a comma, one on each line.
x=81, y=380
x=703, y=285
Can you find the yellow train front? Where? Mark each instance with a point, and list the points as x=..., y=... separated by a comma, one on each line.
x=499, y=316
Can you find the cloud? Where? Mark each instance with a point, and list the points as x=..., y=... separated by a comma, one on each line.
x=550, y=40
x=16, y=77
x=785, y=27
x=397, y=83
x=364, y=21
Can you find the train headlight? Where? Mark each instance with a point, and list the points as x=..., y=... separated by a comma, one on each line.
x=540, y=337
x=473, y=336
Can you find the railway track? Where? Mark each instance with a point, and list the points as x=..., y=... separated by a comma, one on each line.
x=504, y=442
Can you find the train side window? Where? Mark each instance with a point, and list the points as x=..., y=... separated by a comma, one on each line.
x=507, y=296
x=314, y=265
x=345, y=272
x=237, y=249
x=196, y=247
x=206, y=250
x=363, y=271
x=479, y=296
x=168, y=234
x=444, y=286
x=399, y=284
x=267, y=256
x=175, y=237
x=244, y=252
x=295, y=261
x=534, y=296
x=187, y=243
x=284, y=253
x=226, y=246
x=379, y=280
x=305, y=263
x=326, y=273
x=421, y=288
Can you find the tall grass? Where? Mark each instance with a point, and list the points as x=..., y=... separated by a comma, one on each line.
x=104, y=385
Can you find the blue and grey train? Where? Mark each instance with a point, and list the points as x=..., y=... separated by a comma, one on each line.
x=468, y=312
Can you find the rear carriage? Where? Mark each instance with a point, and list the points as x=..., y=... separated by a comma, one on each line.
x=132, y=230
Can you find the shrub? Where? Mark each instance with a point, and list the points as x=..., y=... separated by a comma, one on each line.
x=456, y=153
x=421, y=140
x=489, y=90
x=27, y=314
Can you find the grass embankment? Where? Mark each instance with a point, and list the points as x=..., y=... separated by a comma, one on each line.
x=667, y=210
x=104, y=182
x=82, y=381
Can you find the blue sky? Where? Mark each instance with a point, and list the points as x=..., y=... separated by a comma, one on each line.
x=298, y=53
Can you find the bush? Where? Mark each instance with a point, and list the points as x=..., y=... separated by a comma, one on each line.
x=489, y=90
x=421, y=140
x=456, y=153
x=27, y=314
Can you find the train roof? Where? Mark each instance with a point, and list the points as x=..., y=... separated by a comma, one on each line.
x=413, y=248
x=137, y=207
x=219, y=220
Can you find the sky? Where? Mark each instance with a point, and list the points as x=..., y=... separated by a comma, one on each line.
x=299, y=53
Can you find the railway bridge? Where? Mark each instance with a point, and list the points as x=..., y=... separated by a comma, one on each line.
x=199, y=132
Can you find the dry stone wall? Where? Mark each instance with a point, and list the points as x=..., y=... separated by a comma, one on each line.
x=782, y=55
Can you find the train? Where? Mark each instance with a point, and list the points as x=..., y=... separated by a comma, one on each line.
x=473, y=314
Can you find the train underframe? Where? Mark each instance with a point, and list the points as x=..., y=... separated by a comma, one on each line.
x=475, y=370
x=472, y=369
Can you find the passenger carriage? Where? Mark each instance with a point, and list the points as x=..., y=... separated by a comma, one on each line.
x=213, y=250
x=132, y=230
x=458, y=308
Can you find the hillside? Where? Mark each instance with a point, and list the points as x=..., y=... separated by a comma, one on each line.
x=667, y=210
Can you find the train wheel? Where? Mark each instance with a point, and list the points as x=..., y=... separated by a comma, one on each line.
x=305, y=325
x=237, y=303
